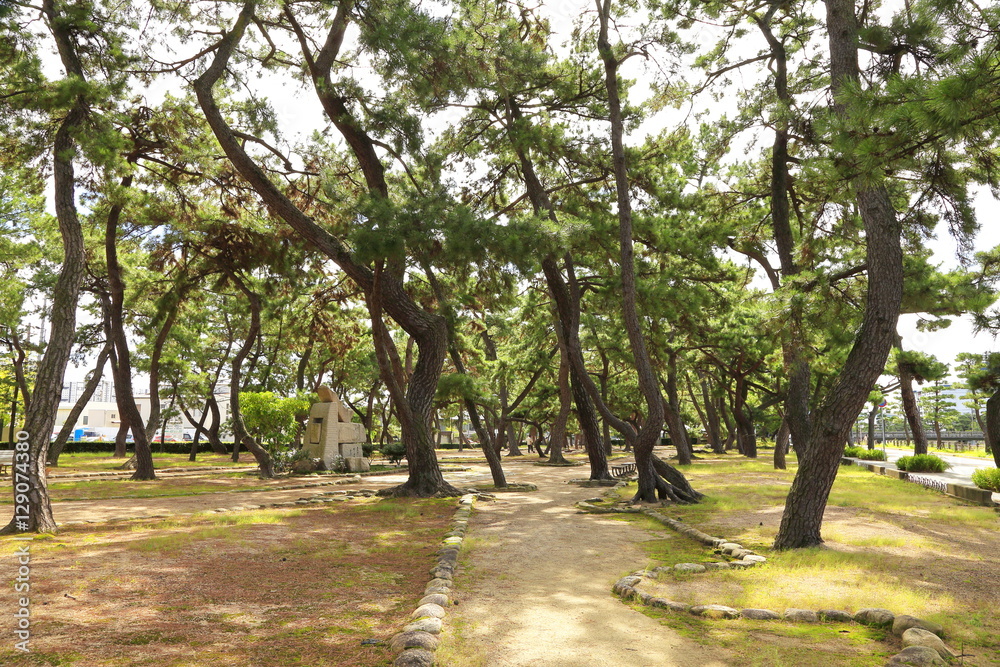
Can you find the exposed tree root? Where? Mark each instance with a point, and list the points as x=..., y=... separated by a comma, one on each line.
x=408, y=490
x=682, y=487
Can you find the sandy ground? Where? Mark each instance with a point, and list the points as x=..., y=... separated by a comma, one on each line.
x=536, y=585
x=535, y=591
x=132, y=508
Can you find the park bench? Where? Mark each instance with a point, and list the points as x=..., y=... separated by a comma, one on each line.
x=6, y=460
x=622, y=470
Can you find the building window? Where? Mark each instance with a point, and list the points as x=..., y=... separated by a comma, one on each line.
x=85, y=419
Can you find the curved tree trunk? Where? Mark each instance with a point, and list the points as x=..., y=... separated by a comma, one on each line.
x=781, y=445
x=872, y=414
x=93, y=380
x=40, y=416
x=213, y=434
x=911, y=410
x=153, y=423
x=382, y=286
x=240, y=435
x=650, y=485
x=127, y=408
x=803, y=516
x=557, y=435
x=993, y=424
x=794, y=349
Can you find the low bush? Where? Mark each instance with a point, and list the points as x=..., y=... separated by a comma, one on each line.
x=283, y=459
x=856, y=452
x=394, y=451
x=987, y=478
x=922, y=463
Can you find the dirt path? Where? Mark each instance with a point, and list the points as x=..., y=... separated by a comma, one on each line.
x=536, y=589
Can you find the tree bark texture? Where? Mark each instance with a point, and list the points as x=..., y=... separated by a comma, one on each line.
x=154, y=371
x=793, y=347
x=650, y=485
x=40, y=416
x=712, y=417
x=127, y=408
x=672, y=413
x=872, y=414
x=240, y=435
x=911, y=410
x=557, y=434
x=781, y=445
x=993, y=424
x=803, y=516
x=565, y=295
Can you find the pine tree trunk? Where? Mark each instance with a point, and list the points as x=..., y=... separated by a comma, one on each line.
x=803, y=516
x=871, y=427
x=153, y=423
x=40, y=415
x=382, y=285
x=712, y=416
x=93, y=380
x=214, y=429
x=240, y=435
x=911, y=410
x=993, y=424
x=781, y=445
x=982, y=427
x=745, y=432
x=127, y=408
x=672, y=412
x=557, y=434
x=650, y=486
x=793, y=349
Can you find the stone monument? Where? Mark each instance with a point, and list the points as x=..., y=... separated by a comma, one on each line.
x=331, y=434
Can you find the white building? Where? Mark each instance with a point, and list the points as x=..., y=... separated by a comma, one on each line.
x=101, y=418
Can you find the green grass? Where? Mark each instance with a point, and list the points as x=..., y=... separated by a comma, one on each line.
x=104, y=462
x=779, y=644
x=105, y=489
x=889, y=544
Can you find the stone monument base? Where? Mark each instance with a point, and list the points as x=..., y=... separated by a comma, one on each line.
x=357, y=464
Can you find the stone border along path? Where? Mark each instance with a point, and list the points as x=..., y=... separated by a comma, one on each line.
x=418, y=639
x=922, y=640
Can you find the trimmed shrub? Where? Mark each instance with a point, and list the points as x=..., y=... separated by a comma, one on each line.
x=922, y=463
x=987, y=478
x=394, y=451
x=864, y=454
x=109, y=447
